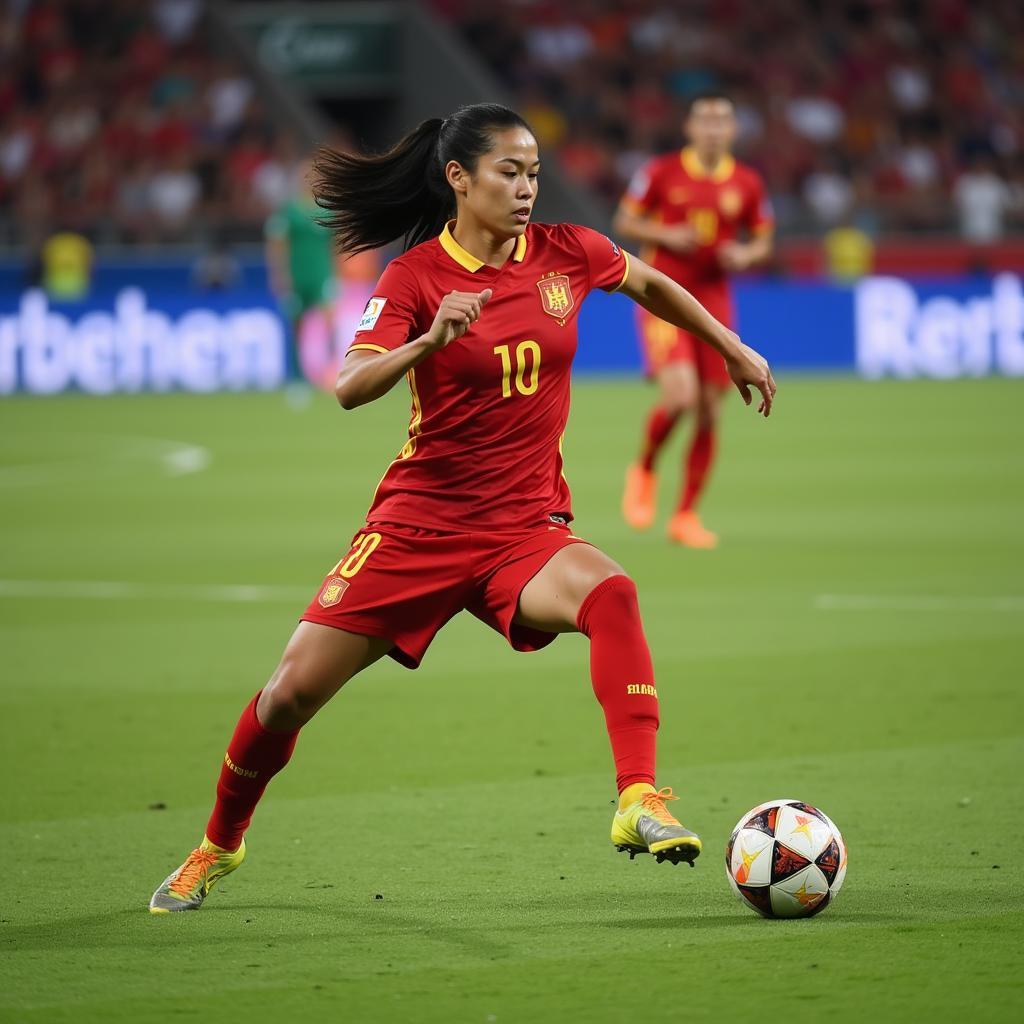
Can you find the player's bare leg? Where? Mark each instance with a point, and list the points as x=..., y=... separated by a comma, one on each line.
x=686, y=526
x=583, y=590
x=317, y=662
x=678, y=393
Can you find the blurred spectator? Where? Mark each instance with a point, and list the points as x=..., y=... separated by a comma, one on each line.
x=983, y=200
x=176, y=19
x=849, y=253
x=173, y=193
x=66, y=266
x=122, y=119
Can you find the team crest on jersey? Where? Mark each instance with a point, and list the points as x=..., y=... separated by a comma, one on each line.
x=730, y=201
x=331, y=592
x=556, y=296
x=678, y=194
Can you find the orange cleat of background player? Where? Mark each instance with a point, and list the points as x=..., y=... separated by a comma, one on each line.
x=702, y=215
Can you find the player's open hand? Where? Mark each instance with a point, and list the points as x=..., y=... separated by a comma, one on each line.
x=750, y=369
x=456, y=314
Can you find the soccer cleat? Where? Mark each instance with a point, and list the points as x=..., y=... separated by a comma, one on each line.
x=638, y=499
x=646, y=826
x=186, y=888
x=687, y=529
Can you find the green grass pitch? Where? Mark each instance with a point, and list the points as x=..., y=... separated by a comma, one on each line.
x=438, y=849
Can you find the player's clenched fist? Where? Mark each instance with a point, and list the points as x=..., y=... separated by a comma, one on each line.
x=458, y=310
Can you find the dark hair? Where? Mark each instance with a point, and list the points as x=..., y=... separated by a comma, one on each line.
x=708, y=94
x=403, y=193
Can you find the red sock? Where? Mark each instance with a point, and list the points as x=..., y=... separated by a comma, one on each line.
x=659, y=426
x=254, y=756
x=623, y=677
x=698, y=462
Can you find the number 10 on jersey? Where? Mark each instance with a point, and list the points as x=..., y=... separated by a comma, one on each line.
x=523, y=366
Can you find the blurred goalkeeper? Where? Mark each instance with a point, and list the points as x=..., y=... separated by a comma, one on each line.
x=300, y=263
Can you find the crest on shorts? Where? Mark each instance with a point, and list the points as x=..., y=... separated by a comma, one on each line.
x=332, y=591
x=556, y=296
x=730, y=201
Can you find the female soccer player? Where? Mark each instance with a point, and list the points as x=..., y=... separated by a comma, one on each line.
x=480, y=316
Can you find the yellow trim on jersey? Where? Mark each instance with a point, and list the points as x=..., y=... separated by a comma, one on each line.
x=466, y=259
x=409, y=448
x=367, y=345
x=625, y=272
x=722, y=171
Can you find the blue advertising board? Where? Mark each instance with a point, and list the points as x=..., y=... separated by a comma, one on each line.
x=148, y=327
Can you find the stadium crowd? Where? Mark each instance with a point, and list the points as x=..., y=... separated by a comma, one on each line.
x=894, y=114
x=120, y=119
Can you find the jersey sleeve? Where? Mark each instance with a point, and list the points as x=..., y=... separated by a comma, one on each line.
x=641, y=196
x=389, y=319
x=607, y=264
x=758, y=216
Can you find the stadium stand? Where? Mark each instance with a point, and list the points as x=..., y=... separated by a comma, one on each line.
x=898, y=115
x=130, y=122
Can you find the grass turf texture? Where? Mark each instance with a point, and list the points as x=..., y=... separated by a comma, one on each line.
x=438, y=849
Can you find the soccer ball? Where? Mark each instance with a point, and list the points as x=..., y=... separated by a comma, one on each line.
x=786, y=859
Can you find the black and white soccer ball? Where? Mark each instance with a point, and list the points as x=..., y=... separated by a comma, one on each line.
x=786, y=858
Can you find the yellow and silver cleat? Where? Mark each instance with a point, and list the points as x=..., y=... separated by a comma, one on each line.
x=186, y=888
x=647, y=826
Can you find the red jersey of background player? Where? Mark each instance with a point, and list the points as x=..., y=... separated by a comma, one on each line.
x=676, y=189
x=488, y=410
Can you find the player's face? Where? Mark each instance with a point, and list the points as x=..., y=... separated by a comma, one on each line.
x=501, y=192
x=711, y=127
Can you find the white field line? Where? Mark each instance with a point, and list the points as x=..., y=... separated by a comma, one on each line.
x=99, y=590
x=917, y=603
x=175, y=458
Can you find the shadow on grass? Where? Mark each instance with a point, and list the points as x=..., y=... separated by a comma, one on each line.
x=471, y=931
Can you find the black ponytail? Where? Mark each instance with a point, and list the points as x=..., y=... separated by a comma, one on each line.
x=403, y=193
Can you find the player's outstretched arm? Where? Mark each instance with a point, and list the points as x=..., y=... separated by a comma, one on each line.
x=365, y=376
x=668, y=301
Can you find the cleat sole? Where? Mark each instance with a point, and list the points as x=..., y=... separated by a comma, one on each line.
x=685, y=853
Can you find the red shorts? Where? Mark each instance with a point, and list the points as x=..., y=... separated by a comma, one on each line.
x=403, y=583
x=662, y=343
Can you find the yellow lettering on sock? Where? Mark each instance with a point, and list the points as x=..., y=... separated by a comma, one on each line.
x=247, y=773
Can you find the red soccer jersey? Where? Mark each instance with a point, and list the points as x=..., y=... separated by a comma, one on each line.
x=675, y=189
x=489, y=410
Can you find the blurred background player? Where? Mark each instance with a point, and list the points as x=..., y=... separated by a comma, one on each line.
x=702, y=215
x=300, y=265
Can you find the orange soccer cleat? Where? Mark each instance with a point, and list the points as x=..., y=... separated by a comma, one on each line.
x=686, y=528
x=638, y=499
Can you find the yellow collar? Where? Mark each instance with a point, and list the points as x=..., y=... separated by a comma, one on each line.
x=695, y=169
x=467, y=259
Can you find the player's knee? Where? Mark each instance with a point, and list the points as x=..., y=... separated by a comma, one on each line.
x=612, y=599
x=290, y=698
x=680, y=399
x=708, y=412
